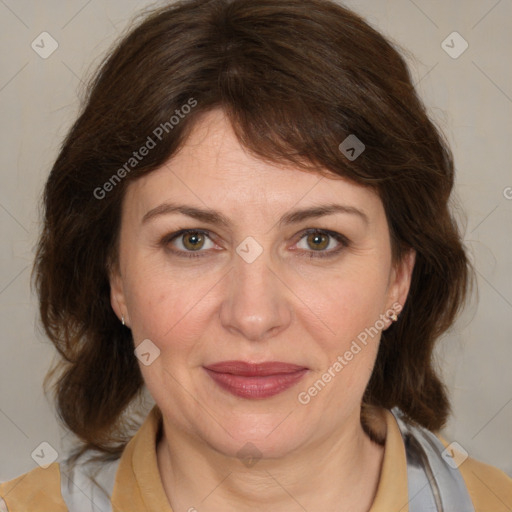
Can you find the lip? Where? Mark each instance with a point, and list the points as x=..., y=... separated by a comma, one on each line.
x=255, y=380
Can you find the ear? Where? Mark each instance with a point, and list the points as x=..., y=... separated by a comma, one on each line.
x=117, y=295
x=400, y=279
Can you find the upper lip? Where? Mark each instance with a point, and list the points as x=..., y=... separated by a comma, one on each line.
x=254, y=369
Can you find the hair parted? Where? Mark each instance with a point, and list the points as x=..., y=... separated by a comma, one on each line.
x=295, y=78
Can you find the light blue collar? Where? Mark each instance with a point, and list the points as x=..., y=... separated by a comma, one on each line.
x=433, y=485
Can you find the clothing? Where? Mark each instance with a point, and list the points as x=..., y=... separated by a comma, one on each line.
x=137, y=485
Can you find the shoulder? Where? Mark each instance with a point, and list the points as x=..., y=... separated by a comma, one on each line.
x=490, y=488
x=37, y=490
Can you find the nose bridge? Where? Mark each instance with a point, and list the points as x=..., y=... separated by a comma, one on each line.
x=256, y=305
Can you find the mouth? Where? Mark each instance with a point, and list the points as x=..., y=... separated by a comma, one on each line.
x=255, y=380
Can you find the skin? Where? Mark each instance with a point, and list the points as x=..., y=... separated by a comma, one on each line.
x=284, y=306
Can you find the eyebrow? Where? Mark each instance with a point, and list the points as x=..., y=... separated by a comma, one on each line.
x=216, y=218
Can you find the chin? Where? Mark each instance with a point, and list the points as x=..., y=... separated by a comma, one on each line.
x=252, y=438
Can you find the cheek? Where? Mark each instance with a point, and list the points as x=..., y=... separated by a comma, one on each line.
x=351, y=311
x=164, y=306
x=344, y=304
x=349, y=305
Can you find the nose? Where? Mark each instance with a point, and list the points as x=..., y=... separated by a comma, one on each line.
x=257, y=301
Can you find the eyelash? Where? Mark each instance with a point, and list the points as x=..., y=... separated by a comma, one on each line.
x=341, y=239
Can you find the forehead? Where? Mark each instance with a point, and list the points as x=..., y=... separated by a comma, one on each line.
x=212, y=169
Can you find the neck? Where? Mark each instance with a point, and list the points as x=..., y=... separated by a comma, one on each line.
x=338, y=473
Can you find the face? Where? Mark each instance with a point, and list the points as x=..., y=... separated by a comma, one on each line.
x=252, y=283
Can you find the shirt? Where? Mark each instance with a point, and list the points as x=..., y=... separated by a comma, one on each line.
x=138, y=486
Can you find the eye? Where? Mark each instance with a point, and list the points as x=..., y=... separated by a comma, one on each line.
x=188, y=241
x=319, y=240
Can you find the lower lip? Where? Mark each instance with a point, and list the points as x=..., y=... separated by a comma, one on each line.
x=256, y=387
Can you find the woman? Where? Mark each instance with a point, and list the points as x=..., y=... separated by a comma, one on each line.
x=250, y=220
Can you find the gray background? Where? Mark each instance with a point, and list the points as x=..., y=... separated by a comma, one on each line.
x=469, y=97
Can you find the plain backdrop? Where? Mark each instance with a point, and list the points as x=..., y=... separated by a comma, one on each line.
x=469, y=97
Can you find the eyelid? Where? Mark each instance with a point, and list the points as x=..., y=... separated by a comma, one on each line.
x=167, y=239
x=342, y=240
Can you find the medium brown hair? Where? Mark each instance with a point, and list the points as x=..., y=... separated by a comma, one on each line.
x=295, y=78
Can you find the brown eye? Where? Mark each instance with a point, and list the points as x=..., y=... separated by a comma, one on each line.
x=318, y=241
x=193, y=240
x=188, y=243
